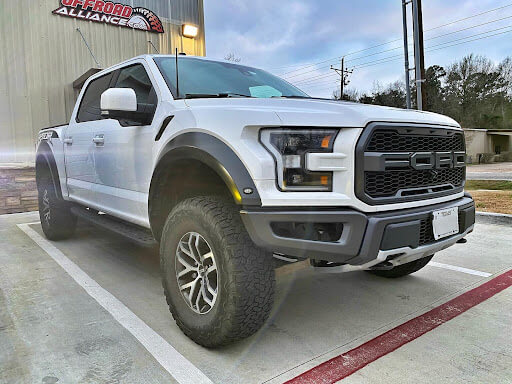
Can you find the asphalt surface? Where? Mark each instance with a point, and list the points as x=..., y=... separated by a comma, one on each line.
x=56, y=328
x=495, y=171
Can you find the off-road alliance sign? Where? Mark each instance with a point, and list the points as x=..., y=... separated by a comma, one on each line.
x=108, y=12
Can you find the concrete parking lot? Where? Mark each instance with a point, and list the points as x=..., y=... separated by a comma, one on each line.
x=494, y=171
x=91, y=310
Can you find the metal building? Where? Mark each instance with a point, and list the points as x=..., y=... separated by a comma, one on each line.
x=48, y=47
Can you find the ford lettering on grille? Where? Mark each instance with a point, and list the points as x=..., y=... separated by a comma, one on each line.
x=400, y=162
x=420, y=161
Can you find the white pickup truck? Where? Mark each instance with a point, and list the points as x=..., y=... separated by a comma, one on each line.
x=230, y=168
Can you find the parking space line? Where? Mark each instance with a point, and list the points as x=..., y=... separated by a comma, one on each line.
x=352, y=361
x=181, y=369
x=460, y=269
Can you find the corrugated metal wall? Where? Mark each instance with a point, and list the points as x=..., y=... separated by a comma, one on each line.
x=41, y=54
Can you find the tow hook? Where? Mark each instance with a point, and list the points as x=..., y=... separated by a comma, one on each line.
x=462, y=241
x=384, y=266
x=323, y=264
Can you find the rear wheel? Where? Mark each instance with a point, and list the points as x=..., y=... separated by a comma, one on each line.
x=404, y=269
x=218, y=284
x=57, y=221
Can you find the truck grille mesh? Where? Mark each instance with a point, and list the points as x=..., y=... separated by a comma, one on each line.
x=390, y=141
x=408, y=184
x=379, y=184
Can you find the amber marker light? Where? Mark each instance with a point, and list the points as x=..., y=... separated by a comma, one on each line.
x=326, y=141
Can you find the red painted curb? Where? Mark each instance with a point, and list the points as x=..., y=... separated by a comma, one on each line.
x=352, y=361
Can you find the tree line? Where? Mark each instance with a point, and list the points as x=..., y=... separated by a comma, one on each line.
x=474, y=91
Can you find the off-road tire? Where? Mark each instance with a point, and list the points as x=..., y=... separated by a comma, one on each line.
x=246, y=273
x=57, y=221
x=404, y=269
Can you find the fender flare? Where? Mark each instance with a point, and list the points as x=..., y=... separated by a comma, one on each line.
x=219, y=157
x=45, y=154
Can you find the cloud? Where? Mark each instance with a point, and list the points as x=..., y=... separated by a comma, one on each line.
x=279, y=35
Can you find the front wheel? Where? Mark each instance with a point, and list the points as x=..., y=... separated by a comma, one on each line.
x=218, y=284
x=404, y=269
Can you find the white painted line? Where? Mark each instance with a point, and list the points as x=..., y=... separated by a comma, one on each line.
x=459, y=269
x=33, y=223
x=183, y=371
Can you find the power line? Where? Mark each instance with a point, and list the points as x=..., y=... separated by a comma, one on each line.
x=429, y=49
x=332, y=87
x=469, y=17
x=315, y=78
x=437, y=37
x=434, y=47
x=321, y=81
x=429, y=39
x=393, y=41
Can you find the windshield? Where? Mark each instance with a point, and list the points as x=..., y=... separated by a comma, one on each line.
x=205, y=78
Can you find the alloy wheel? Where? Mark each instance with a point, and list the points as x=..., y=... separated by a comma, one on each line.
x=196, y=273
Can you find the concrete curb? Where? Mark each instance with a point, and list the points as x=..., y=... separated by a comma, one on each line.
x=494, y=218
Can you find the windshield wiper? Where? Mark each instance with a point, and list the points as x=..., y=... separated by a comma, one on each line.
x=213, y=95
x=300, y=97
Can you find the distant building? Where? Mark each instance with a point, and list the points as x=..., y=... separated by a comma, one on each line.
x=488, y=145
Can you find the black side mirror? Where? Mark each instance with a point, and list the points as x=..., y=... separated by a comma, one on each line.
x=143, y=118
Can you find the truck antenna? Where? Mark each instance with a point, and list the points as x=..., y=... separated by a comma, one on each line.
x=177, y=77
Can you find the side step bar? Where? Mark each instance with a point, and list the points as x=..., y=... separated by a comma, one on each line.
x=132, y=232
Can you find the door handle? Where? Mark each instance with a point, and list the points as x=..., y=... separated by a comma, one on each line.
x=98, y=140
x=68, y=140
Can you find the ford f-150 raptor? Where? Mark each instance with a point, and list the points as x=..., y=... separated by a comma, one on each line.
x=228, y=167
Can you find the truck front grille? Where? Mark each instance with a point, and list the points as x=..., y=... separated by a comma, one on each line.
x=386, y=173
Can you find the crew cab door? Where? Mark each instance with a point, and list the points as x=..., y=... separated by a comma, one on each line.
x=78, y=141
x=123, y=158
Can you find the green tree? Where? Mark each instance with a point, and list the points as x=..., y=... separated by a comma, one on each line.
x=476, y=93
x=392, y=96
x=349, y=94
x=434, y=88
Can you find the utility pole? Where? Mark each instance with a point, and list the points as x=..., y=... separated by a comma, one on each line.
x=419, y=52
x=406, y=55
x=344, y=73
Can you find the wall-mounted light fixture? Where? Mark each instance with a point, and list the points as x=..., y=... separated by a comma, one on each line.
x=189, y=30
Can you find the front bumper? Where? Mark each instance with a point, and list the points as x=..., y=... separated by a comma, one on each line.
x=366, y=239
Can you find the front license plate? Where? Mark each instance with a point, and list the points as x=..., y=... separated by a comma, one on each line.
x=445, y=223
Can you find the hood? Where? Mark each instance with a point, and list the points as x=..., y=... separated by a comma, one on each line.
x=314, y=112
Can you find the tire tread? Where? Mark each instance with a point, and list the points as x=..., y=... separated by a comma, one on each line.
x=252, y=276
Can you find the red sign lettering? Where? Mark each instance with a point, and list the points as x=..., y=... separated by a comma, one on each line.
x=109, y=12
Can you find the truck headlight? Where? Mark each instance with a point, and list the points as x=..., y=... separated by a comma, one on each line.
x=289, y=148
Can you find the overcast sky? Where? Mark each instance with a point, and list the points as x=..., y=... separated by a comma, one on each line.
x=286, y=35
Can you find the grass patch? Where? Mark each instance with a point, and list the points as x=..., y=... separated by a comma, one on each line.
x=493, y=185
x=493, y=201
